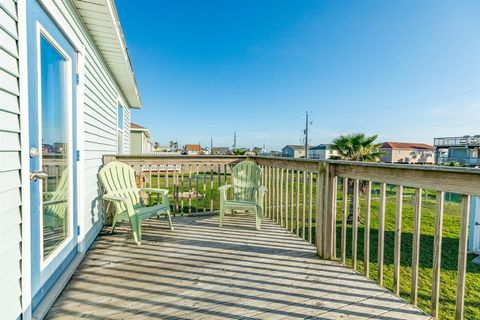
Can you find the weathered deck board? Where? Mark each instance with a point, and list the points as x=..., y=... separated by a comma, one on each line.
x=201, y=271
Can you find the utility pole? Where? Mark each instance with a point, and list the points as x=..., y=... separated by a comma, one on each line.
x=306, y=135
x=234, y=140
x=211, y=145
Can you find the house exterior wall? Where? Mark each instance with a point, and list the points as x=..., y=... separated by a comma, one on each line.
x=98, y=136
x=321, y=154
x=10, y=164
x=292, y=153
x=420, y=156
x=136, y=142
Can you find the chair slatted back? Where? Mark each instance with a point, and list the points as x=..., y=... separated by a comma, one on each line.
x=246, y=181
x=56, y=205
x=118, y=179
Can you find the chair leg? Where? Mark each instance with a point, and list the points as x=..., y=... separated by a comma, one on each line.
x=221, y=214
x=136, y=231
x=169, y=218
x=258, y=220
x=114, y=222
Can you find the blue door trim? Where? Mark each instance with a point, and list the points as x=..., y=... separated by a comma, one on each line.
x=44, y=279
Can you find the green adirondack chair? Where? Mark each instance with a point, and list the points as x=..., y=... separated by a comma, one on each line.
x=118, y=180
x=247, y=192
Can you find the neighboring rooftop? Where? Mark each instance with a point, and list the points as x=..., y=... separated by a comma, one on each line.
x=295, y=146
x=320, y=147
x=406, y=145
x=193, y=147
x=136, y=127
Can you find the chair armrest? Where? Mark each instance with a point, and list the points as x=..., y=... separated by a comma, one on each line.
x=163, y=192
x=223, y=191
x=225, y=187
x=261, y=193
x=155, y=190
x=114, y=197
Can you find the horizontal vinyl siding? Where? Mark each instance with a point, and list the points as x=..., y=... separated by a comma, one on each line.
x=126, y=131
x=10, y=183
x=100, y=117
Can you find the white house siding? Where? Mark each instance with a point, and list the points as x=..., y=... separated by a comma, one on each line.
x=10, y=183
x=101, y=99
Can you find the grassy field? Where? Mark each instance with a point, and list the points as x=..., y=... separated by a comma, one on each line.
x=451, y=229
x=208, y=198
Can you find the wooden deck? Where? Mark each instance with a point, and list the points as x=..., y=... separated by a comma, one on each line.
x=201, y=271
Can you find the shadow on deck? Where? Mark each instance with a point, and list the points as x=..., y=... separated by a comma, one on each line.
x=201, y=271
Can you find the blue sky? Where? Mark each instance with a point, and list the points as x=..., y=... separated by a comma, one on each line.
x=405, y=70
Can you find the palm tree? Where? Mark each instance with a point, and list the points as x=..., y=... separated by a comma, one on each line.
x=356, y=147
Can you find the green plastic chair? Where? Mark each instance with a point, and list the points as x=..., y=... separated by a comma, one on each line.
x=55, y=204
x=118, y=180
x=247, y=192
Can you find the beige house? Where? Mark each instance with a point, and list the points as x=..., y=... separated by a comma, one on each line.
x=321, y=152
x=293, y=151
x=139, y=139
x=405, y=152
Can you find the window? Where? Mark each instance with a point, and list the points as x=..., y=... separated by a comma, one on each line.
x=120, y=129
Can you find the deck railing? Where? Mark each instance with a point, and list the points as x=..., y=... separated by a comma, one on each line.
x=313, y=200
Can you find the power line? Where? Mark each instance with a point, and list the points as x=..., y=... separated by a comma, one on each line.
x=402, y=104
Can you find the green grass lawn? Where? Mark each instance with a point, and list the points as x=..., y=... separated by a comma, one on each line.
x=451, y=229
x=208, y=197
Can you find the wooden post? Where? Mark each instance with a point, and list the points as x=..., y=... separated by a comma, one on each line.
x=355, y=223
x=366, y=236
x=321, y=210
x=344, y=221
x=416, y=246
x=381, y=233
x=333, y=211
x=462, y=258
x=397, y=244
x=437, y=253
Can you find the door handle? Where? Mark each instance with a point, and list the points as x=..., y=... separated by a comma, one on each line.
x=35, y=175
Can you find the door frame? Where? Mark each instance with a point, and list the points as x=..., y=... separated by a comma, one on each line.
x=40, y=31
x=69, y=33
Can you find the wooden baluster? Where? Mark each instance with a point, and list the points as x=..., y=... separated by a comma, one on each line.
x=182, y=186
x=287, y=220
x=310, y=208
x=281, y=197
x=366, y=235
x=437, y=253
x=196, y=188
x=398, y=241
x=189, y=188
x=462, y=258
x=174, y=175
x=277, y=191
x=270, y=192
x=204, y=188
x=158, y=183
x=381, y=232
x=219, y=177
x=298, y=203
x=304, y=204
x=416, y=246
x=344, y=221
x=291, y=200
x=332, y=226
x=355, y=200
x=211, y=187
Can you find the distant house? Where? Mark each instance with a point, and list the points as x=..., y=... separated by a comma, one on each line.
x=405, y=152
x=220, y=151
x=192, y=149
x=464, y=150
x=139, y=139
x=293, y=151
x=321, y=152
